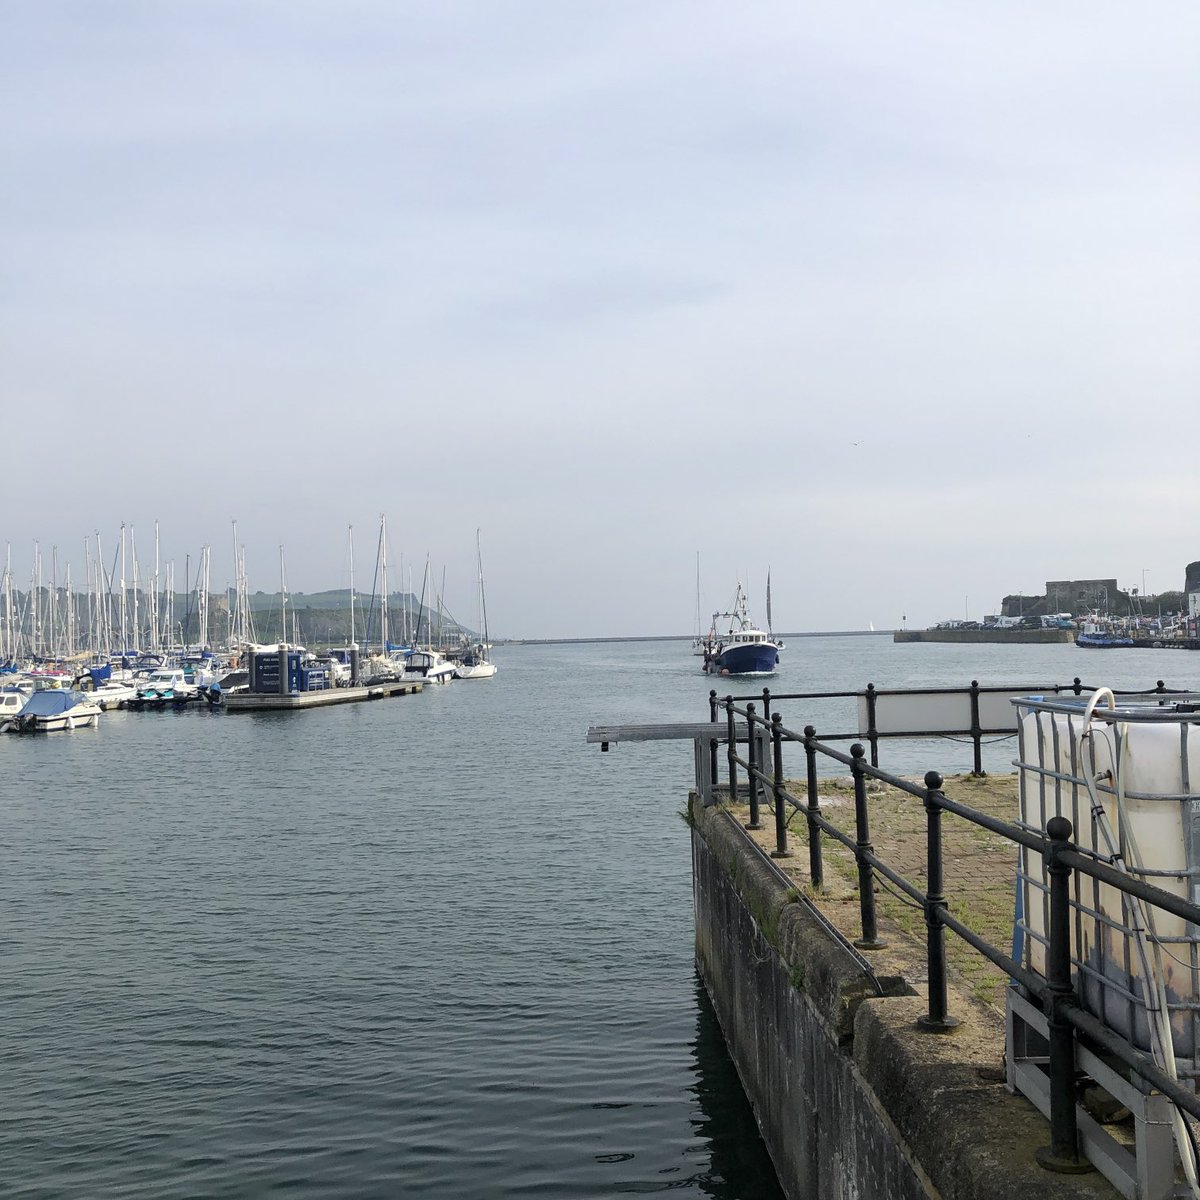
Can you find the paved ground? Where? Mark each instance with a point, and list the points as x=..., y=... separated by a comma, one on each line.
x=980, y=875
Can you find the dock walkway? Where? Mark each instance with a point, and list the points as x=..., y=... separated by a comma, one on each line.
x=287, y=702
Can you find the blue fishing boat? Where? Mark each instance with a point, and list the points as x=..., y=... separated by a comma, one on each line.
x=742, y=649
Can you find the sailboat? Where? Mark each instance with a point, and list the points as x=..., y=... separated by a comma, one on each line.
x=477, y=662
x=699, y=642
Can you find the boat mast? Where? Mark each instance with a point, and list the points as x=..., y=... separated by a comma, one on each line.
x=482, y=597
x=282, y=600
x=383, y=586
x=124, y=612
x=155, y=640
x=351, y=528
x=137, y=583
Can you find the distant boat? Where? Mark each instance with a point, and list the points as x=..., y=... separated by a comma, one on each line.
x=742, y=649
x=477, y=662
x=1102, y=641
x=699, y=642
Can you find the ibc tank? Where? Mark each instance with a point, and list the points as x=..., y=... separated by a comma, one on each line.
x=1149, y=753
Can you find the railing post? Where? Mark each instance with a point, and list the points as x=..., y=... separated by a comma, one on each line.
x=976, y=731
x=870, y=939
x=731, y=734
x=712, y=716
x=1062, y=1155
x=781, y=841
x=752, y=765
x=815, y=865
x=936, y=1019
x=872, y=731
x=1078, y=685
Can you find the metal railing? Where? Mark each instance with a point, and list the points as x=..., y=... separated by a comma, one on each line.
x=975, y=728
x=1054, y=992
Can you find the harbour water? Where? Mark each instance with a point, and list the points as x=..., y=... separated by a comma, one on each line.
x=432, y=946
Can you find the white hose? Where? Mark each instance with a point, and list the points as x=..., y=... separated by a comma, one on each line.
x=1139, y=919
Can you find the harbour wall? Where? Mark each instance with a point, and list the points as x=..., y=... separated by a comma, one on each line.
x=978, y=636
x=853, y=1100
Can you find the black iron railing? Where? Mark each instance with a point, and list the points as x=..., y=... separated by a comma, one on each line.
x=976, y=728
x=1054, y=992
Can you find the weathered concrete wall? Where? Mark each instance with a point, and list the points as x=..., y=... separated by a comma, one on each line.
x=853, y=1101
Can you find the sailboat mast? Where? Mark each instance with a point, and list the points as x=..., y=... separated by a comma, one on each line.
x=482, y=595
x=282, y=600
x=351, y=528
x=383, y=586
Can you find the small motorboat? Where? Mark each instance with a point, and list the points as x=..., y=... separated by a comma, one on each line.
x=54, y=709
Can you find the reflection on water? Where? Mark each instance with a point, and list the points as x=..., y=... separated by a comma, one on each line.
x=739, y=1165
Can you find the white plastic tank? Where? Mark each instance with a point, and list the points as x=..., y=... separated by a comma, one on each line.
x=1143, y=755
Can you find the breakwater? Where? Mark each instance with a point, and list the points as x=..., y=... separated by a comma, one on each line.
x=977, y=637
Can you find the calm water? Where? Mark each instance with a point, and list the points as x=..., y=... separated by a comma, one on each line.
x=431, y=946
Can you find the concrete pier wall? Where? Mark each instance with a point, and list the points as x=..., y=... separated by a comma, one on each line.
x=854, y=1102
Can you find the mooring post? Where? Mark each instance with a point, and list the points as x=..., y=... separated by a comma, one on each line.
x=976, y=730
x=753, y=766
x=712, y=716
x=936, y=1019
x=1062, y=1155
x=870, y=939
x=731, y=735
x=781, y=843
x=815, y=865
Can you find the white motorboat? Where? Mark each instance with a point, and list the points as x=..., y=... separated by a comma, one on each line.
x=52, y=709
x=113, y=694
x=426, y=666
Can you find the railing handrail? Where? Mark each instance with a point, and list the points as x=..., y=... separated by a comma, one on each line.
x=1062, y=856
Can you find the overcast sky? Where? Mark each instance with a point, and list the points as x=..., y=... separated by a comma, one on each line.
x=900, y=301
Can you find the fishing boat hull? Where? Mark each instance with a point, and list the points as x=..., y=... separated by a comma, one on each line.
x=755, y=658
x=1098, y=641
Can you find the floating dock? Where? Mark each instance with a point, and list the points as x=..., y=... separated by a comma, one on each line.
x=287, y=701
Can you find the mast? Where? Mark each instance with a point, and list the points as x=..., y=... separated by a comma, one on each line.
x=124, y=613
x=137, y=583
x=383, y=611
x=155, y=639
x=482, y=596
x=352, y=585
x=52, y=618
x=282, y=600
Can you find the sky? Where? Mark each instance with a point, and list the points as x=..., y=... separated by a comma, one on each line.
x=898, y=303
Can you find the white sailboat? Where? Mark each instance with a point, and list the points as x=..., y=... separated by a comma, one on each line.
x=700, y=641
x=477, y=662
